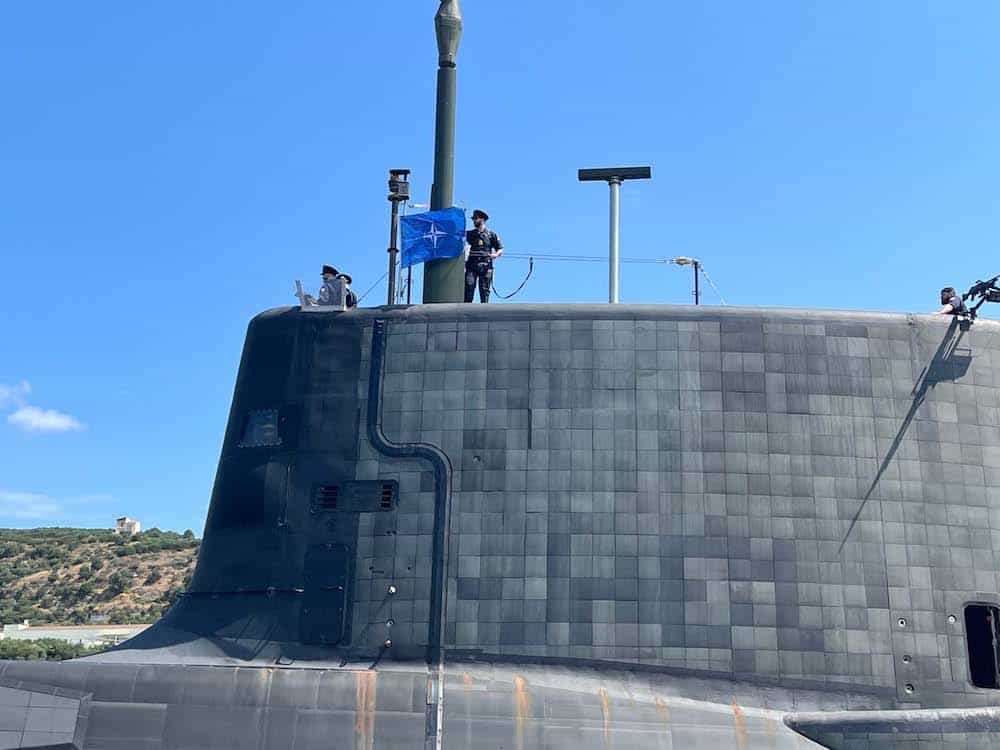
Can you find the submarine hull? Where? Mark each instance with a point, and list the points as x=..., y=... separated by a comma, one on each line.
x=587, y=526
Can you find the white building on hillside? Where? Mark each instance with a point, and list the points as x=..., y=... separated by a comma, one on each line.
x=127, y=526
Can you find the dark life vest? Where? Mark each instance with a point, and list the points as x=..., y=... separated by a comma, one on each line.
x=481, y=244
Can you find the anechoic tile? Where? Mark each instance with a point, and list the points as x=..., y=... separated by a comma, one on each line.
x=793, y=420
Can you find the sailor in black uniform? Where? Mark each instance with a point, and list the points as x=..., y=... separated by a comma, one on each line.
x=951, y=302
x=327, y=292
x=352, y=298
x=330, y=293
x=484, y=248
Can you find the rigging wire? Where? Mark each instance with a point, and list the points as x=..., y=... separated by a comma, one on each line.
x=712, y=284
x=557, y=257
x=531, y=269
x=580, y=258
x=600, y=259
x=372, y=287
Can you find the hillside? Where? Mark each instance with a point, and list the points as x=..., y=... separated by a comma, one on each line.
x=64, y=576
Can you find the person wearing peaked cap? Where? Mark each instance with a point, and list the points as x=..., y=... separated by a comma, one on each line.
x=336, y=285
x=484, y=248
x=352, y=298
x=326, y=292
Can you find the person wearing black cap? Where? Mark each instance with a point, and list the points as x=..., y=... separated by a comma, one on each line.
x=484, y=248
x=330, y=292
x=352, y=298
x=327, y=294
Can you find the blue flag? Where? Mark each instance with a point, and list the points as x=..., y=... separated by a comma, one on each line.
x=433, y=235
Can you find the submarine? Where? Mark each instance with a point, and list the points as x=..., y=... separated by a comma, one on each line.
x=575, y=526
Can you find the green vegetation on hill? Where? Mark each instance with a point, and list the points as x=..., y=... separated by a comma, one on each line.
x=65, y=576
x=45, y=649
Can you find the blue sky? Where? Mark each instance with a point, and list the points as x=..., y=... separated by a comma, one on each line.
x=167, y=171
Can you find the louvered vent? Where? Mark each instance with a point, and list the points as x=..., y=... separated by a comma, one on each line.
x=360, y=496
x=327, y=497
x=388, y=492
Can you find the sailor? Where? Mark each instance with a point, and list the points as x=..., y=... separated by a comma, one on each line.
x=484, y=248
x=352, y=298
x=951, y=302
x=327, y=293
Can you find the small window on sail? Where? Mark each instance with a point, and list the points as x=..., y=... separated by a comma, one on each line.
x=982, y=633
x=261, y=429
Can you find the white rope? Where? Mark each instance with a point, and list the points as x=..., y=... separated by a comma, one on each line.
x=712, y=284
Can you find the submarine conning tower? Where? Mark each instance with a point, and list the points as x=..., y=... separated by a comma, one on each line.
x=805, y=499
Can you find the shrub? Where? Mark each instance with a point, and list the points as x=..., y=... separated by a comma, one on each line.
x=48, y=649
x=118, y=583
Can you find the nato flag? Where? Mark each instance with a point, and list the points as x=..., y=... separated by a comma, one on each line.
x=433, y=235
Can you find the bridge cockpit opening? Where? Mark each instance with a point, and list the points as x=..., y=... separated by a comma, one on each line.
x=982, y=633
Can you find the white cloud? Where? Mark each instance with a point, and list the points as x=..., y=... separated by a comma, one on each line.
x=14, y=395
x=28, y=506
x=33, y=419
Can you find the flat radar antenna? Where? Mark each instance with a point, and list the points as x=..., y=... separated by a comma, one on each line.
x=615, y=176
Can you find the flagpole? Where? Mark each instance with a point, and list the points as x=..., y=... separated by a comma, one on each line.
x=409, y=275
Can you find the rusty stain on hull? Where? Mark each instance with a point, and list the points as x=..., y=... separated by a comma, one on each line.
x=467, y=681
x=606, y=716
x=740, y=727
x=364, y=726
x=522, y=709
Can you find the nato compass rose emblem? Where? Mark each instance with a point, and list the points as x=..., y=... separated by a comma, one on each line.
x=435, y=234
